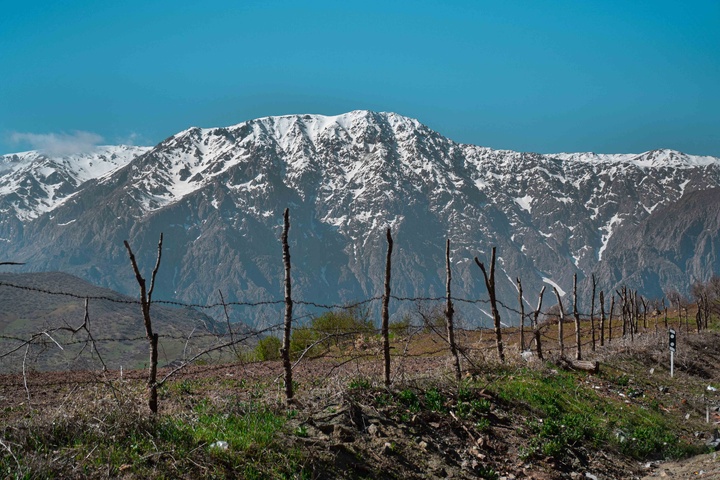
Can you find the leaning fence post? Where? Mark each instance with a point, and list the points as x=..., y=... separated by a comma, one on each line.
x=285, y=350
x=386, y=310
x=449, y=311
x=145, y=302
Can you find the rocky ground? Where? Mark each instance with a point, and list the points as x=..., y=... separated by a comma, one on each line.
x=347, y=425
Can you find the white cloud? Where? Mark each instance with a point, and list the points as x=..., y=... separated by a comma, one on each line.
x=58, y=143
x=133, y=138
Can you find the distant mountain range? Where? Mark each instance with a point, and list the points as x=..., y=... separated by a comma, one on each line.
x=648, y=220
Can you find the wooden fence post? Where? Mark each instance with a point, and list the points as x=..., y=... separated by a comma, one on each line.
x=592, y=312
x=285, y=350
x=449, y=314
x=522, y=315
x=602, y=318
x=490, y=284
x=561, y=332
x=536, y=328
x=610, y=320
x=386, y=309
x=145, y=302
x=578, y=339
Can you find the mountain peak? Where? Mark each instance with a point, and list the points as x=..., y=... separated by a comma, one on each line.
x=35, y=182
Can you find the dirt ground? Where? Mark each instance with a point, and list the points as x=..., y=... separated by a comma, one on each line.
x=703, y=466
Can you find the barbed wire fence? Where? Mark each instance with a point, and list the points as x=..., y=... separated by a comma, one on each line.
x=358, y=340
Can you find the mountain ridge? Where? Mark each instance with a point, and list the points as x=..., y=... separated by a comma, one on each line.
x=218, y=194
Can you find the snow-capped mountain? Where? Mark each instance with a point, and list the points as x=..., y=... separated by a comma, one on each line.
x=32, y=183
x=218, y=195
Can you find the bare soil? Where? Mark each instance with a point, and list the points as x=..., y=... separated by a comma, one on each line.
x=347, y=435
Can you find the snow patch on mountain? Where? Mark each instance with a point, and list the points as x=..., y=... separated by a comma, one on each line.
x=32, y=183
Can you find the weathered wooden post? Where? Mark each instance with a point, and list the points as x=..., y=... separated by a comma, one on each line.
x=522, y=315
x=561, y=320
x=285, y=350
x=610, y=320
x=490, y=284
x=602, y=318
x=576, y=315
x=536, y=328
x=145, y=302
x=592, y=312
x=449, y=314
x=386, y=309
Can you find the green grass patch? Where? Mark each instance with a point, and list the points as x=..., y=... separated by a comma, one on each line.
x=571, y=416
x=247, y=442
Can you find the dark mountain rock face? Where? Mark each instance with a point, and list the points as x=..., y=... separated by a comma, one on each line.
x=218, y=197
x=672, y=248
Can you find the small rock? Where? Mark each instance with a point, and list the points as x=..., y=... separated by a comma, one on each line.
x=714, y=442
x=635, y=393
x=387, y=449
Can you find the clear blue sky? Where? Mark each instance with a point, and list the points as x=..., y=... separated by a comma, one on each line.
x=545, y=76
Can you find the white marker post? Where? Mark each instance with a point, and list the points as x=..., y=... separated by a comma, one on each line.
x=672, y=344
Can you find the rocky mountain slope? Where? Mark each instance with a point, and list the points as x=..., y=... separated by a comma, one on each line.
x=218, y=196
x=32, y=183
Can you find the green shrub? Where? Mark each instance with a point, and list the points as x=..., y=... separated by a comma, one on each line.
x=335, y=328
x=268, y=348
x=400, y=328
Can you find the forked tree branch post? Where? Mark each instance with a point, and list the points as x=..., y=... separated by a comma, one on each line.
x=386, y=309
x=490, y=284
x=145, y=302
x=449, y=313
x=285, y=350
